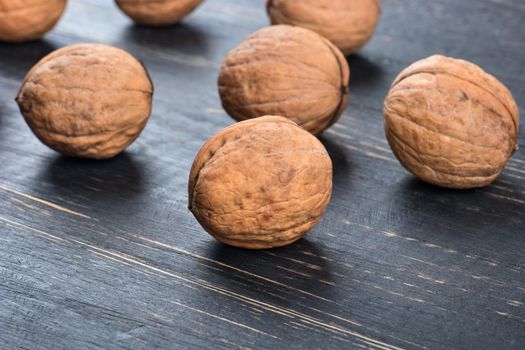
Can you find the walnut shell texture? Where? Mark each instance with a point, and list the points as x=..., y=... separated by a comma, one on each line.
x=87, y=100
x=157, y=12
x=260, y=183
x=348, y=24
x=26, y=20
x=450, y=123
x=287, y=71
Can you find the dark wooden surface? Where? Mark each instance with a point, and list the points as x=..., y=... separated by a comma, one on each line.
x=104, y=254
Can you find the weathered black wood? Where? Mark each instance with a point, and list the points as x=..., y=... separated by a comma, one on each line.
x=106, y=255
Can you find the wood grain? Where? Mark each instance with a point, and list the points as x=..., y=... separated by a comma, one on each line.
x=105, y=255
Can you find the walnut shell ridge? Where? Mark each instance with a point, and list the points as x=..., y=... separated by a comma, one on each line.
x=287, y=71
x=348, y=24
x=87, y=100
x=260, y=183
x=450, y=123
x=158, y=12
x=26, y=20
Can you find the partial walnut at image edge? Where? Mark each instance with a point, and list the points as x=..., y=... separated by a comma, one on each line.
x=158, y=12
x=287, y=71
x=87, y=100
x=450, y=123
x=260, y=183
x=348, y=24
x=28, y=20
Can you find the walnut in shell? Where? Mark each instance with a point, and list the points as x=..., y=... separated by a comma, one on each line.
x=450, y=123
x=349, y=24
x=87, y=100
x=287, y=71
x=260, y=183
x=26, y=20
x=158, y=12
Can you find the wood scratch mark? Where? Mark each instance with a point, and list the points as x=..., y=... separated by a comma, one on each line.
x=379, y=148
x=223, y=291
x=270, y=307
x=95, y=189
x=223, y=319
x=29, y=206
x=410, y=239
x=107, y=256
x=328, y=282
x=515, y=303
x=294, y=272
x=314, y=255
x=516, y=169
x=42, y=201
x=300, y=262
x=215, y=110
x=418, y=260
x=515, y=200
x=430, y=245
x=515, y=176
x=366, y=153
x=333, y=132
x=428, y=278
x=251, y=274
x=337, y=317
x=45, y=234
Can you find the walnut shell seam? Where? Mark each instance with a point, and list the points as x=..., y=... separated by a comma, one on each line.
x=442, y=72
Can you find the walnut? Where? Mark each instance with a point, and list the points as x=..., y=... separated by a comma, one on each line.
x=450, y=123
x=260, y=183
x=26, y=20
x=288, y=71
x=87, y=100
x=158, y=12
x=349, y=24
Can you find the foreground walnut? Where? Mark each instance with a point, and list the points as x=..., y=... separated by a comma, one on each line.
x=450, y=123
x=349, y=24
x=157, y=12
x=288, y=71
x=87, y=100
x=260, y=183
x=26, y=20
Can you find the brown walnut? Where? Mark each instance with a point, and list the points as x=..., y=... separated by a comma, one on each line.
x=450, y=123
x=260, y=183
x=87, y=100
x=158, y=12
x=349, y=24
x=26, y=20
x=287, y=71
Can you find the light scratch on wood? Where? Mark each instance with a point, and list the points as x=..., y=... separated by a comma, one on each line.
x=215, y=110
x=204, y=284
x=300, y=262
x=223, y=319
x=515, y=303
x=42, y=201
x=428, y=278
x=45, y=234
x=515, y=200
x=266, y=279
x=294, y=272
x=29, y=206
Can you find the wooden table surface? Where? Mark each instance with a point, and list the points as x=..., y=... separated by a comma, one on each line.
x=105, y=254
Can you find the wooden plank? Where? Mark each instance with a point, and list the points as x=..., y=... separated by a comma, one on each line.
x=106, y=255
